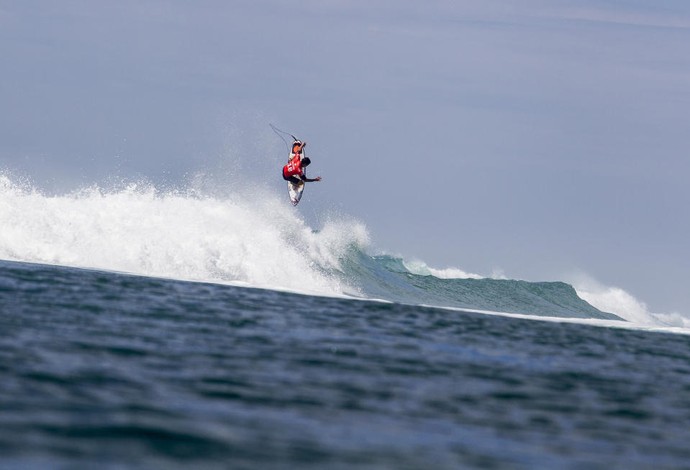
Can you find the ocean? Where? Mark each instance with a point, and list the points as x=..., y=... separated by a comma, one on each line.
x=142, y=328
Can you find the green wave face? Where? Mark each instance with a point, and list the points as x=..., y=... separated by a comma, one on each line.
x=387, y=278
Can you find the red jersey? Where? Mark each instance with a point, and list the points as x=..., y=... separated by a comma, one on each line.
x=294, y=167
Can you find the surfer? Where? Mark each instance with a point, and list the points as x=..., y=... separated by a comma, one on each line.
x=295, y=170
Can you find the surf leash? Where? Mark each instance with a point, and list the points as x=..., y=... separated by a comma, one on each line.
x=281, y=134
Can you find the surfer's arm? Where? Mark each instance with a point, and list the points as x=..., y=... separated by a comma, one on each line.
x=311, y=180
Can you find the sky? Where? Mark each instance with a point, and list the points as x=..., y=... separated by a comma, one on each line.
x=538, y=139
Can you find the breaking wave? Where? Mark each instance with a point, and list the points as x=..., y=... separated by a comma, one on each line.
x=257, y=239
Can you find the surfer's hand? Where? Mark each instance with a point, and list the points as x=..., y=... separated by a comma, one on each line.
x=318, y=178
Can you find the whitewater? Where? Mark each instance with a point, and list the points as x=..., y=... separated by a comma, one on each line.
x=255, y=239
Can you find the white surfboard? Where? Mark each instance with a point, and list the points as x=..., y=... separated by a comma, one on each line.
x=295, y=191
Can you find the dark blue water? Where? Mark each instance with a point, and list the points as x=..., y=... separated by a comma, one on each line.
x=115, y=371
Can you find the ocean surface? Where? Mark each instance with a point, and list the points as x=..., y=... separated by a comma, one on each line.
x=149, y=329
x=110, y=370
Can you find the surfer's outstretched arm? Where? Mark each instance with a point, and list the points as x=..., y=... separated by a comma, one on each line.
x=311, y=180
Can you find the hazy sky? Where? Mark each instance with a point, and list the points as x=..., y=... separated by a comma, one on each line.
x=541, y=138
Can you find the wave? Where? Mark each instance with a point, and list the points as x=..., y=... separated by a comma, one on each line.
x=253, y=238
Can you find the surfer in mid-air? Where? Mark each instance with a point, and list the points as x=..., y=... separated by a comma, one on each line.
x=295, y=170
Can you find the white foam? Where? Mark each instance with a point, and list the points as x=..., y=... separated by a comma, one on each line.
x=420, y=268
x=259, y=241
x=620, y=302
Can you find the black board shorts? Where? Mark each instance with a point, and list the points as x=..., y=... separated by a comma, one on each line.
x=292, y=179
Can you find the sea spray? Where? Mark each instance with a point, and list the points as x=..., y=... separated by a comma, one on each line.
x=140, y=230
